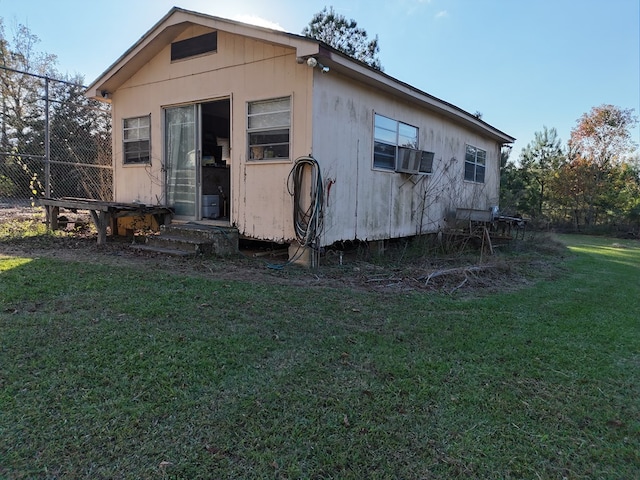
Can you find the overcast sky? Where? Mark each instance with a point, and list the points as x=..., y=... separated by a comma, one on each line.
x=524, y=64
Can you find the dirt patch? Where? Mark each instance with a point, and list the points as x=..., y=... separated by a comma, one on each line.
x=19, y=212
x=395, y=271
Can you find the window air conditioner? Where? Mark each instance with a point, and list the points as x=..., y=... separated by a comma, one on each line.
x=414, y=161
x=408, y=160
x=426, y=162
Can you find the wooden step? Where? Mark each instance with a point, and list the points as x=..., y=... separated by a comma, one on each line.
x=193, y=239
x=172, y=241
x=143, y=247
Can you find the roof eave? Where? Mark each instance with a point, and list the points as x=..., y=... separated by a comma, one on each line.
x=177, y=20
x=171, y=26
x=380, y=80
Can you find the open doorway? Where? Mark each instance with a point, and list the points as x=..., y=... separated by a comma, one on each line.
x=215, y=167
x=197, y=154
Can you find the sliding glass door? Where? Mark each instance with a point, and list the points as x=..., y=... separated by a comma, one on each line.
x=182, y=162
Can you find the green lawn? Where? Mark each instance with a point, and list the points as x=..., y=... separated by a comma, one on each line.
x=114, y=372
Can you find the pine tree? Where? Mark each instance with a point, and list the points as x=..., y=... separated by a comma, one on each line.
x=344, y=35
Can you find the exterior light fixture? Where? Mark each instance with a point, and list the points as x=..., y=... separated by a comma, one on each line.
x=313, y=63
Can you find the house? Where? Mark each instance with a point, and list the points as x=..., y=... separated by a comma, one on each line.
x=287, y=139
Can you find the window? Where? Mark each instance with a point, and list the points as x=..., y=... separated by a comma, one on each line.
x=268, y=126
x=474, y=164
x=194, y=46
x=388, y=136
x=136, y=137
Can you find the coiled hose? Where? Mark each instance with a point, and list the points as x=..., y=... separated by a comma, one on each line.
x=307, y=220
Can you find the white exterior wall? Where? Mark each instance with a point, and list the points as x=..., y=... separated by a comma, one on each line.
x=370, y=204
x=332, y=118
x=242, y=70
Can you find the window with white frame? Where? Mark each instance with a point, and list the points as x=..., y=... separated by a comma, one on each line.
x=268, y=128
x=389, y=135
x=137, y=140
x=475, y=160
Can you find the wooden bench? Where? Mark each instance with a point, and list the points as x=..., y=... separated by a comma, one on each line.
x=104, y=214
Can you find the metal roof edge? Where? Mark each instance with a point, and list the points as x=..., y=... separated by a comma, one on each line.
x=305, y=47
x=355, y=68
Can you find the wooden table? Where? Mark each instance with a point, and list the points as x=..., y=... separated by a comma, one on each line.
x=103, y=214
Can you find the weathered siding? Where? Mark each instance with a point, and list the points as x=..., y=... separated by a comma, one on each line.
x=243, y=70
x=332, y=118
x=370, y=204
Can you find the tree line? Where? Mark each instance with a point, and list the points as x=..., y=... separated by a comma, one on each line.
x=591, y=184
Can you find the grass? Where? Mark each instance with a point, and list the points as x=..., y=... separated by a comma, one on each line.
x=116, y=372
x=21, y=228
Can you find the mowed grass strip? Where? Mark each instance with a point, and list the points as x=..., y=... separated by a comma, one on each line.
x=112, y=372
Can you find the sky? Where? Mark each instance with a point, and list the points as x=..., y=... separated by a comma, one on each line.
x=523, y=64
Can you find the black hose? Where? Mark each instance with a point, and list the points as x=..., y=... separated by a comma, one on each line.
x=308, y=222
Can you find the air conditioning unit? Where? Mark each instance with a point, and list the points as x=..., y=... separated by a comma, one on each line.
x=426, y=162
x=408, y=160
x=414, y=161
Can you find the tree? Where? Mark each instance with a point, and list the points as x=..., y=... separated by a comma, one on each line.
x=21, y=108
x=512, y=189
x=621, y=200
x=594, y=182
x=573, y=190
x=539, y=161
x=602, y=141
x=344, y=35
x=79, y=131
x=511, y=184
x=21, y=94
x=603, y=135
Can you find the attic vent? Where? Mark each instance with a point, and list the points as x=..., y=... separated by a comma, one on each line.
x=414, y=161
x=194, y=46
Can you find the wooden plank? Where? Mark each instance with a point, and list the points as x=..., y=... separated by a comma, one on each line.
x=103, y=214
x=100, y=221
x=52, y=217
x=117, y=209
x=473, y=215
x=81, y=205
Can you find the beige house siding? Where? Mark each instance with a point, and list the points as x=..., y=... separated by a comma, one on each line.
x=332, y=118
x=242, y=70
x=371, y=204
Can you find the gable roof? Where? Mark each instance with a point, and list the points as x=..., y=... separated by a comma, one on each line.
x=177, y=20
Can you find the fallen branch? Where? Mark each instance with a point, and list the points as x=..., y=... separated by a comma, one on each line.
x=455, y=271
x=384, y=279
x=461, y=284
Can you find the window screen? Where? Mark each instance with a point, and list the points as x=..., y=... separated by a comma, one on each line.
x=194, y=46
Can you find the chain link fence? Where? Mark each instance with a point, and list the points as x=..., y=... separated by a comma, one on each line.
x=54, y=142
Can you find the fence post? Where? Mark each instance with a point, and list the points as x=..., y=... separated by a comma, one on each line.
x=47, y=148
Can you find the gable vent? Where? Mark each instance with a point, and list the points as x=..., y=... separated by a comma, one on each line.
x=194, y=46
